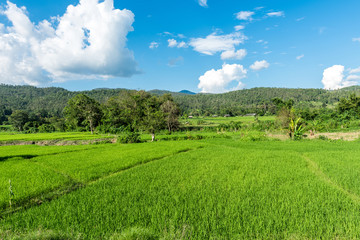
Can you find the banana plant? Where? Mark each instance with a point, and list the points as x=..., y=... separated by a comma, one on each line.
x=296, y=130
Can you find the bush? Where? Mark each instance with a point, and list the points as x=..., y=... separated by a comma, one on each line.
x=129, y=137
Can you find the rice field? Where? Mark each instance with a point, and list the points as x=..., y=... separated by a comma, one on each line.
x=9, y=137
x=221, y=188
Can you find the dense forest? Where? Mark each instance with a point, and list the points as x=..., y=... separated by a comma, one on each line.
x=52, y=100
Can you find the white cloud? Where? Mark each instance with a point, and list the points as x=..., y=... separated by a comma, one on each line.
x=356, y=39
x=276, y=14
x=333, y=78
x=355, y=70
x=259, y=65
x=154, y=45
x=216, y=81
x=214, y=43
x=300, y=57
x=352, y=77
x=203, y=3
x=232, y=54
x=182, y=44
x=239, y=27
x=245, y=15
x=89, y=40
x=172, y=43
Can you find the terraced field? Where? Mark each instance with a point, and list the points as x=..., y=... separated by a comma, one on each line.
x=210, y=189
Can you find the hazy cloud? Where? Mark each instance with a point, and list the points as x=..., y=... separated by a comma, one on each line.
x=203, y=3
x=300, y=57
x=216, y=81
x=154, y=45
x=175, y=61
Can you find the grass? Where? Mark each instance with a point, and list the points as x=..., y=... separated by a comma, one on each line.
x=218, y=188
x=9, y=137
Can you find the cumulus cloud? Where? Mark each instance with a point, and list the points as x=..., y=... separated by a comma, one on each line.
x=203, y=3
x=276, y=14
x=300, y=57
x=259, y=65
x=245, y=15
x=89, y=40
x=356, y=39
x=334, y=78
x=214, y=43
x=232, y=54
x=172, y=43
x=154, y=45
x=217, y=81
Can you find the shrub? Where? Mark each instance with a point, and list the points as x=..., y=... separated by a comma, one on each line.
x=129, y=137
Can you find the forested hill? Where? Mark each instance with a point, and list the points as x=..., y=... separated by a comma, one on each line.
x=53, y=99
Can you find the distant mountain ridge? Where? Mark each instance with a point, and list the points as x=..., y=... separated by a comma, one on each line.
x=187, y=92
x=54, y=99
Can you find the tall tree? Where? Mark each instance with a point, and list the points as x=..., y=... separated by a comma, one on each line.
x=171, y=114
x=18, y=119
x=83, y=111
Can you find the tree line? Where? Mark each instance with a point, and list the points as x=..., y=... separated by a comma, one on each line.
x=130, y=112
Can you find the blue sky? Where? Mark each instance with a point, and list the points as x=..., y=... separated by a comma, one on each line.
x=177, y=45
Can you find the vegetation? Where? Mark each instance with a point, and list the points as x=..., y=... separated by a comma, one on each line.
x=210, y=174
x=219, y=188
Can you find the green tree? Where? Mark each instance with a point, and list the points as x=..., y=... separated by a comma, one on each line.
x=171, y=113
x=154, y=118
x=18, y=119
x=83, y=111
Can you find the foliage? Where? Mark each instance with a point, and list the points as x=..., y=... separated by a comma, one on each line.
x=18, y=119
x=129, y=137
x=296, y=130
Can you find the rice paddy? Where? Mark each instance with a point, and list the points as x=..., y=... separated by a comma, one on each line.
x=221, y=188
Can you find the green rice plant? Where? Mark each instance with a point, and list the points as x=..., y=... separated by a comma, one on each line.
x=11, y=193
x=211, y=189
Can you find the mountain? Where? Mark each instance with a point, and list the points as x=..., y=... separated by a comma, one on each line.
x=54, y=99
x=187, y=92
